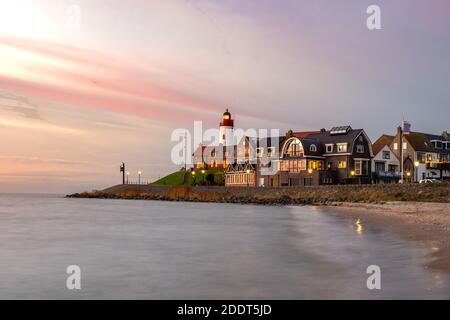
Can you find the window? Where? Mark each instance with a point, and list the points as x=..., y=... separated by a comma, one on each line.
x=329, y=165
x=421, y=157
x=223, y=137
x=360, y=148
x=395, y=146
x=342, y=164
x=271, y=151
x=315, y=164
x=404, y=145
x=329, y=148
x=295, y=148
x=361, y=167
x=313, y=148
x=259, y=152
x=342, y=147
x=386, y=155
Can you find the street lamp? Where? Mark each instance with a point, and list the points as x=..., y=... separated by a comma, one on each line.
x=203, y=176
x=139, y=174
x=416, y=165
x=128, y=174
x=310, y=176
x=248, y=176
x=193, y=177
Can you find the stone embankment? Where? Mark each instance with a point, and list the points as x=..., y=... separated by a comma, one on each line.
x=318, y=195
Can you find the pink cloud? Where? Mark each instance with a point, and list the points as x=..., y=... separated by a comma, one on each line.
x=90, y=79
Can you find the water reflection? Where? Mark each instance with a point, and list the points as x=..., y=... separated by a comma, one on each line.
x=359, y=227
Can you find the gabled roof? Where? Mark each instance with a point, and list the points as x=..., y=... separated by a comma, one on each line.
x=326, y=137
x=384, y=140
x=419, y=142
x=304, y=134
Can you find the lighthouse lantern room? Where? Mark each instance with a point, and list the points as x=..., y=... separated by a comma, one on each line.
x=226, y=129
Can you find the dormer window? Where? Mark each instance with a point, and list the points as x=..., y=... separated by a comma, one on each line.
x=270, y=151
x=313, y=148
x=329, y=148
x=360, y=148
x=342, y=147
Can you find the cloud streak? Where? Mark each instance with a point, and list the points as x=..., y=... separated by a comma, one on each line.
x=84, y=78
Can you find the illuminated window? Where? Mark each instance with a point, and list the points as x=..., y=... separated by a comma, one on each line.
x=395, y=146
x=295, y=148
x=342, y=164
x=342, y=147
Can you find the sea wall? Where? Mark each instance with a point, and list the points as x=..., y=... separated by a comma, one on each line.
x=287, y=195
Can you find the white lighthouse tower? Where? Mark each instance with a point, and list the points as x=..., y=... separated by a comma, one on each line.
x=226, y=129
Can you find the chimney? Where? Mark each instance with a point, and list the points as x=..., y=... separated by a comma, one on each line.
x=323, y=130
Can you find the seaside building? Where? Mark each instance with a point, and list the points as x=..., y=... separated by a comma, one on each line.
x=339, y=155
x=385, y=163
x=255, y=157
x=424, y=155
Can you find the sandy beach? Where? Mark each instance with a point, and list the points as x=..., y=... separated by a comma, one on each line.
x=425, y=222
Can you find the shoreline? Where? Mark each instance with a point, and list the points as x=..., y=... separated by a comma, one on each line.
x=425, y=223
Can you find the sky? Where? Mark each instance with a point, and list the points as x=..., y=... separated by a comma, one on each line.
x=87, y=84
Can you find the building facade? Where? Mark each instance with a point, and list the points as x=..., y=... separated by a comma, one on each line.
x=385, y=163
x=424, y=156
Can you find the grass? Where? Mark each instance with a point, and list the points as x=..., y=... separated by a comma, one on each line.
x=173, y=179
x=176, y=178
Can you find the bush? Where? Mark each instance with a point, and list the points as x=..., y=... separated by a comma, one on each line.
x=210, y=178
x=219, y=179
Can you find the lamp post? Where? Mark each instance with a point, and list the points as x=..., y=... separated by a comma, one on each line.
x=193, y=177
x=352, y=173
x=408, y=174
x=139, y=174
x=128, y=174
x=203, y=175
x=416, y=169
x=248, y=176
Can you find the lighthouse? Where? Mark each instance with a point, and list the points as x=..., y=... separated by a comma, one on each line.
x=226, y=129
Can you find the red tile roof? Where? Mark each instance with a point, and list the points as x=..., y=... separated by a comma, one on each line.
x=384, y=140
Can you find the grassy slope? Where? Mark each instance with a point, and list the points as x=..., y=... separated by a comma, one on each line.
x=176, y=178
x=172, y=179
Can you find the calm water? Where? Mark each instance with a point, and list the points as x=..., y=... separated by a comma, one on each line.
x=168, y=250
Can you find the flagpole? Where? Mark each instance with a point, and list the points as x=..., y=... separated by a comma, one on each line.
x=401, y=152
